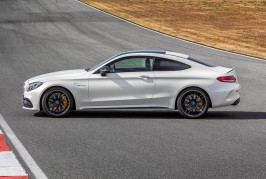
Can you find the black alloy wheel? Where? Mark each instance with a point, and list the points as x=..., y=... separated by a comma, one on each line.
x=193, y=103
x=57, y=102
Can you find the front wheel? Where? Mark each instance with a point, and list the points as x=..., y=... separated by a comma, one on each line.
x=57, y=102
x=193, y=103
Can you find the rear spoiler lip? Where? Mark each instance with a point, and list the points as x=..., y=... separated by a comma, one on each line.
x=231, y=70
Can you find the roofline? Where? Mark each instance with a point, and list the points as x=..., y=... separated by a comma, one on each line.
x=141, y=51
x=177, y=54
x=154, y=52
x=146, y=51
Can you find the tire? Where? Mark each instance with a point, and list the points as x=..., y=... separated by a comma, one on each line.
x=193, y=103
x=57, y=102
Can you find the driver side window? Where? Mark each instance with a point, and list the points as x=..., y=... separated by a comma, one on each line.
x=132, y=64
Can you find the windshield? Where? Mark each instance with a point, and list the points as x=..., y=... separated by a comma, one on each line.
x=100, y=64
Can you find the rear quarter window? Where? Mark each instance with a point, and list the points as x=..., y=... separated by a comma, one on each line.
x=161, y=64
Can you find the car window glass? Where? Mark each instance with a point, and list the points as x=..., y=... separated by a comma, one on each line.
x=132, y=64
x=161, y=64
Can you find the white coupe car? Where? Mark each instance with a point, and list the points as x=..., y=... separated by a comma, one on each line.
x=136, y=80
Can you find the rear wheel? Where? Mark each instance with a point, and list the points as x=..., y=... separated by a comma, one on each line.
x=57, y=102
x=193, y=103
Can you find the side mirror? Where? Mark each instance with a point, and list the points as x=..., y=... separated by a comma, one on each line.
x=104, y=70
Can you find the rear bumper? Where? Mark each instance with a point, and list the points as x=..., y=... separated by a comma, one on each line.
x=225, y=95
x=236, y=102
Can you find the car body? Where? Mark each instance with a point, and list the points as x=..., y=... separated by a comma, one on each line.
x=137, y=80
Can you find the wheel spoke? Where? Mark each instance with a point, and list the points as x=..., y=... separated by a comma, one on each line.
x=193, y=103
x=57, y=102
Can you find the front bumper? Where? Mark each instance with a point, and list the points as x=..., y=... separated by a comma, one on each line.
x=31, y=99
x=27, y=103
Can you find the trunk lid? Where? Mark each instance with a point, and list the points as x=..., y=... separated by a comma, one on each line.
x=225, y=71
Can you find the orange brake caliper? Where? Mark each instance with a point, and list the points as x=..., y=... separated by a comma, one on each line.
x=64, y=99
x=200, y=103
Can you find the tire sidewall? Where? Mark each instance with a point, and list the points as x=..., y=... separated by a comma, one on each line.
x=45, y=107
x=179, y=103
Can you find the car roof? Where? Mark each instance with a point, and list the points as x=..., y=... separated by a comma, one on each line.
x=177, y=54
x=155, y=52
x=145, y=51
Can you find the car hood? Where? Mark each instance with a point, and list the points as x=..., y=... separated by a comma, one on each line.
x=66, y=74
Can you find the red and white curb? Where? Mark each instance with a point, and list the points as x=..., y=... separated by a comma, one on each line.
x=10, y=168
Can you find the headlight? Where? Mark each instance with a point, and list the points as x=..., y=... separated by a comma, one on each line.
x=33, y=86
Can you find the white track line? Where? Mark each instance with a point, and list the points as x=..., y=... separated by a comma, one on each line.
x=213, y=48
x=33, y=166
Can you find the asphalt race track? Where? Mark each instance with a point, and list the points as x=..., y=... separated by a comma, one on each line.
x=40, y=36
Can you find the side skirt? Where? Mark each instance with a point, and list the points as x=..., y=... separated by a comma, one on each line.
x=144, y=108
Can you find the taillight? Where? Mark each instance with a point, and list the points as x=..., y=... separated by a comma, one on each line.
x=227, y=79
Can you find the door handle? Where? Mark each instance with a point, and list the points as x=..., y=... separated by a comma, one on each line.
x=145, y=77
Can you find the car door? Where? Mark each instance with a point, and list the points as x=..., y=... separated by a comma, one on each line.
x=170, y=77
x=130, y=83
